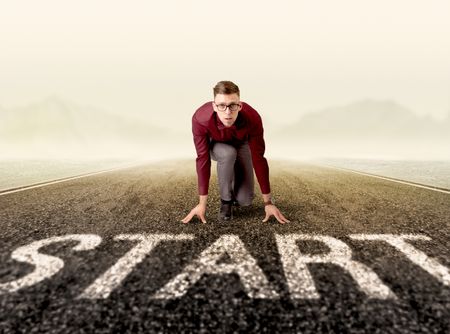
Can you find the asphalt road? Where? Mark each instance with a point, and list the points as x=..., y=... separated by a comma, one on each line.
x=137, y=268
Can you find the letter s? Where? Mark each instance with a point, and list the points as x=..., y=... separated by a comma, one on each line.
x=46, y=265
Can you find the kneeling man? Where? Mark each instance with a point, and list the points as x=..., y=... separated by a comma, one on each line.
x=230, y=132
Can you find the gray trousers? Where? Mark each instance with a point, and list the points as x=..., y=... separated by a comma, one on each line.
x=234, y=172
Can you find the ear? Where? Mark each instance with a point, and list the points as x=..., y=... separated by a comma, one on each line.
x=214, y=107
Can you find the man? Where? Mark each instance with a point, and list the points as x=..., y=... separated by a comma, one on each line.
x=230, y=132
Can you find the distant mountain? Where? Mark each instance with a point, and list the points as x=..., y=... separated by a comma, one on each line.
x=59, y=127
x=366, y=128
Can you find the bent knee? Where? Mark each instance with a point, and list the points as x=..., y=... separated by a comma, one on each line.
x=224, y=152
x=245, y=201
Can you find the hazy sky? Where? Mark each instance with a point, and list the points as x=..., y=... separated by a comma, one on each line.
x=160, y=59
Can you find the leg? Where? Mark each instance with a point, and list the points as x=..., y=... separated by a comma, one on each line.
x=225, y=155
x=244, y=180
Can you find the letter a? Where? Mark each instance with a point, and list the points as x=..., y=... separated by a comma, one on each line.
x=253, y=279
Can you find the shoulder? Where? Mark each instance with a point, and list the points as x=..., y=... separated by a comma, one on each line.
x=203, y=113
x=250, y=113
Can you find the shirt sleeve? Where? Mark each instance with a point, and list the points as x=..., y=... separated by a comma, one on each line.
x=203, y=161
x=257, y=148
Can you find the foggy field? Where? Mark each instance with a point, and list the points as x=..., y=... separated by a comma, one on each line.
x=432, y=173
x=18, y=173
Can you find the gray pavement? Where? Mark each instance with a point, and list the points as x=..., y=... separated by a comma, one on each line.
x=108, y=253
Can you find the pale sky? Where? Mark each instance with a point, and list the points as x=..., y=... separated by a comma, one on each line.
x=160, y=59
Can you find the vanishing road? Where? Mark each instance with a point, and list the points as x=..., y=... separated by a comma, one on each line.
x=107, y=253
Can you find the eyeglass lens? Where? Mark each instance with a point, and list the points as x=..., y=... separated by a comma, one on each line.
x=232, y=107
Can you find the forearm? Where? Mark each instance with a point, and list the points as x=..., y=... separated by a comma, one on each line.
x=266, y=197
x=203, y=199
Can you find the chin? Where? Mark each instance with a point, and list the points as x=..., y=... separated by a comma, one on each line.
x=228, y=123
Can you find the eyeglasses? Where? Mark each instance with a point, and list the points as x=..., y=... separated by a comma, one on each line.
x=232, y=106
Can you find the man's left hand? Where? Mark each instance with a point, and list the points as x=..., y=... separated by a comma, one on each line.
x=273, y=210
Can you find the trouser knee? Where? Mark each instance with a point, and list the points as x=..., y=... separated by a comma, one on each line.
x=245, y=200
x=224, y=153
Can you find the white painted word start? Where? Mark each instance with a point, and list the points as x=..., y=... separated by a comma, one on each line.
x=299, y=280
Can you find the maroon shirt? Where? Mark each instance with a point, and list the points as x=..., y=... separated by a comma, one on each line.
x=206, y=127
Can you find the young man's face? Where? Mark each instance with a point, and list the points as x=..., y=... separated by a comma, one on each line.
x=229, y=115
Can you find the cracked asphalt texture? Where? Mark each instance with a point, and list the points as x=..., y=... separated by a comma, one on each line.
x=153, y=198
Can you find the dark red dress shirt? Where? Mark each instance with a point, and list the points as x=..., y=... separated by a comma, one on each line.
x=207, y=127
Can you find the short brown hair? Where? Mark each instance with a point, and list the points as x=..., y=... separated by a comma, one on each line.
x=226, y=87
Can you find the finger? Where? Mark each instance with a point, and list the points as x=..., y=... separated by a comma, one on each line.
x=278, y=217
x=284, y=218
x=187, y=218
x=202, y=218
x=266, y=218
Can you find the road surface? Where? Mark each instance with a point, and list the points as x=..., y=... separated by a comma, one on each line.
x=108, y=253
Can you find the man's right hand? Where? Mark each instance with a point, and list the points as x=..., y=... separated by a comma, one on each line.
x=199, y=211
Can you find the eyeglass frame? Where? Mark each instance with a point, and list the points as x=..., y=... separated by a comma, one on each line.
x=228, y=107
